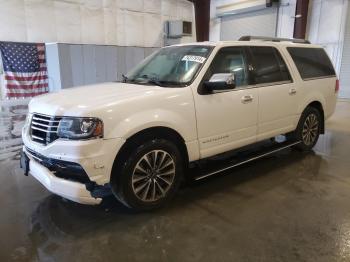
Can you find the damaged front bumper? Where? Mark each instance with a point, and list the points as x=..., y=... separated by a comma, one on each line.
x=63, y=178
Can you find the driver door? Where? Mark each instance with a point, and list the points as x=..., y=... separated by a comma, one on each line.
x=227, y=119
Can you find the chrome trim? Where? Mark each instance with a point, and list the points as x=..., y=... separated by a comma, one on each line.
x=46, y=120
x=292, y=91
x=43, y=130
x=31, y=155
x=39, y=138
x=245, y=161
x=247, y=99
x=39, y=124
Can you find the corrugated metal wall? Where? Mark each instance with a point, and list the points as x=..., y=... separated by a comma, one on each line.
x=345, y=62
x=72, y=65
x=259, y=23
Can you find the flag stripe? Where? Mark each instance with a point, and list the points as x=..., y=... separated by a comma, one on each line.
x=25, y=69
x=14, y=86
x=18, y=95
x=26, y=78
x=26, y=83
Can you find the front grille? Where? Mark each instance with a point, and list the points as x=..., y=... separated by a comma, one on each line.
x=43, y=129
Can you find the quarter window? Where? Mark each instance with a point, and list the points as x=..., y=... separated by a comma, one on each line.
x=269, y=65
x=311, y=62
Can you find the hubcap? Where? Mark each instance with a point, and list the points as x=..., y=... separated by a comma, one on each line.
x=153, y=175
x=310, y=129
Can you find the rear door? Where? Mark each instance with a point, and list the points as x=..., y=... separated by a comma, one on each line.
x=277, y=92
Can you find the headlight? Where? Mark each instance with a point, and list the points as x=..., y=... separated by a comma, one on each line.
x=80, y=128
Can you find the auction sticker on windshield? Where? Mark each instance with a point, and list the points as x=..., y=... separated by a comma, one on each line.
x=194, y=58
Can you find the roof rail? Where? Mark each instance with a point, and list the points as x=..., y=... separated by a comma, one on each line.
x=273, y=39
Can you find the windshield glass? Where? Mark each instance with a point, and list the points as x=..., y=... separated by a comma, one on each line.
x=170, y=66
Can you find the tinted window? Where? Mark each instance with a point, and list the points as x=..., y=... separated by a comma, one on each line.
x=269, y=65
x=311, y=62
x=230, y=60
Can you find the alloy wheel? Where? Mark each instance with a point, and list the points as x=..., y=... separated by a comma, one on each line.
x=153, y=175
x=310, y=129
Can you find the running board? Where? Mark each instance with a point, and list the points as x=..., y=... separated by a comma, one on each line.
x=246, y=159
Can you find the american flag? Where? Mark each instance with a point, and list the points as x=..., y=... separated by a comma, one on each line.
x=24, y=68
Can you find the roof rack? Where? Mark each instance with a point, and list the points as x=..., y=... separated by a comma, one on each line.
x=274, y=39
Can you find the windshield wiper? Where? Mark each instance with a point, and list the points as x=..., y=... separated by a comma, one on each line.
x=125, y=78
x=154, y=81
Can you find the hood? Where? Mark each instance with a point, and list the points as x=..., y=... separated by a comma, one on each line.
x=81, y=101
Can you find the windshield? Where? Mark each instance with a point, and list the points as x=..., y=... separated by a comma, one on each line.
x=170, y=66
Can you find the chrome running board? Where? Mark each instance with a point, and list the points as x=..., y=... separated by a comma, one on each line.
x=258, y=155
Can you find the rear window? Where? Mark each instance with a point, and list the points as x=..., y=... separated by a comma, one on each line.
x=269, y=65
x=311, y=62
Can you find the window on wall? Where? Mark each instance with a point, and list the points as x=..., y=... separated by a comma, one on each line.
x=269, y=65
x=231, y=60
x=311, y=62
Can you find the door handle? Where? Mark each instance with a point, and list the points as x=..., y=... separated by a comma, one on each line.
x=292, y=91
x=247, y=99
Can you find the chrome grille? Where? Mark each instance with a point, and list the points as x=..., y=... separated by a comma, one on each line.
x=43, y=128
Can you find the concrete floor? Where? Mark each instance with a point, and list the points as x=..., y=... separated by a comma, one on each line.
x=286, y=207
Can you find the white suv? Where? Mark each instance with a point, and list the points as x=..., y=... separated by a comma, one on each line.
x=182, y=104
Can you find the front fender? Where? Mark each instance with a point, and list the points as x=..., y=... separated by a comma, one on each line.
x=184, y=125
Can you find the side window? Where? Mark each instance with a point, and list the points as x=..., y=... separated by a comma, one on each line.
x=311, y=62
x=230, y=60
x=269, y=65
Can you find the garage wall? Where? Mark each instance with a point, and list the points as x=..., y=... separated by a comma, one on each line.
x=262, y=22
x=113, y=22
x=326, y=27
x=75, y=64
x=344, y=73
x=130, y=26
x=250, y=17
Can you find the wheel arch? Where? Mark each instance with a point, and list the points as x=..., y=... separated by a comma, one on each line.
x=148, y=134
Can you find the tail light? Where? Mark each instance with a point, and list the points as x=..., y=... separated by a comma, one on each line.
x=337, y=85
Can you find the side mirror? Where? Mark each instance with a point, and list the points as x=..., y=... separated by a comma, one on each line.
x=220, y=82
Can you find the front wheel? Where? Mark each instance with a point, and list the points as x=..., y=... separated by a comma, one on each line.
x=150, y=176
x=308, y=130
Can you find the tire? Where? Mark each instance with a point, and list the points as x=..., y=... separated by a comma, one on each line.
x=308, y=129
x=142, y=185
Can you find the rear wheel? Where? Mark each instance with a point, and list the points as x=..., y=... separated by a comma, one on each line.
x=150, y=175
x=308, y=130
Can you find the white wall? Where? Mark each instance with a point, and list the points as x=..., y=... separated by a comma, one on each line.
x=344, y=74
x=285, y=21
x=286, y=18
x=326, y=26
x=113, y=22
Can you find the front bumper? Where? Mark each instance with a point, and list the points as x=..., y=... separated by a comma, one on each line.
x=94, y=157
x=71, y=190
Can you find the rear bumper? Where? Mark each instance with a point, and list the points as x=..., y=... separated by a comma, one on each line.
x=71, y=190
